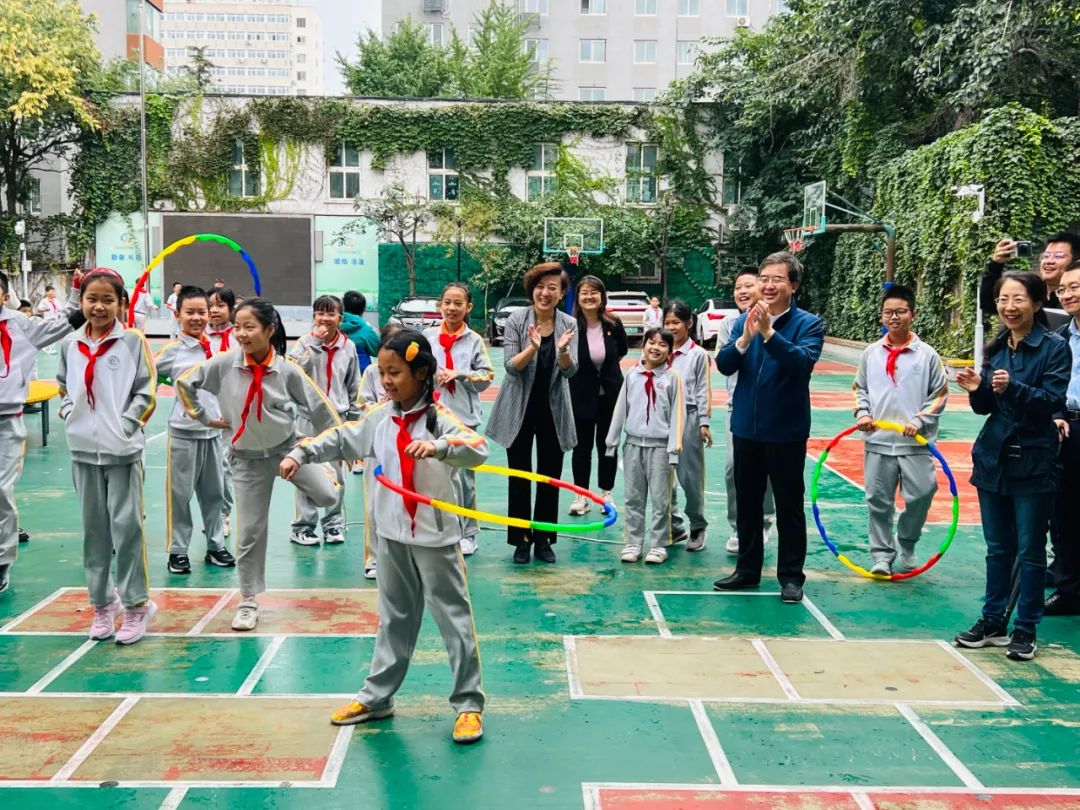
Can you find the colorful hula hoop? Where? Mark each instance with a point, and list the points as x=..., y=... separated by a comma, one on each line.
x=140, y=285
x=858, y=569
x=607, y=509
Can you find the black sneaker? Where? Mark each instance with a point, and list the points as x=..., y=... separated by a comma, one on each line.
x=222, y=559
x=24, y=535
x=179, y=564
x=983, y=634
x=1023, y=646
x=5, y=579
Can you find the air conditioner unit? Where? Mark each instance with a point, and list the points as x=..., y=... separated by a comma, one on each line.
x=434, y=6
x=742, y=22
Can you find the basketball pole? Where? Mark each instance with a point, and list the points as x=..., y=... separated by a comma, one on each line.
x=873, y=227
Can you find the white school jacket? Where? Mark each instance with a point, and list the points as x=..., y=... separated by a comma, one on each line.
x=664, y=425
x=221, y=340
x=174, y=359
x=371, y=390
x=374, y=436
x=27, y=335
x=110, y=432
x=474, y=369
x=311, y=354
x=692, y=363
x=287, y=392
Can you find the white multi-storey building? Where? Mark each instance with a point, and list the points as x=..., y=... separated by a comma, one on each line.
x=256, y=47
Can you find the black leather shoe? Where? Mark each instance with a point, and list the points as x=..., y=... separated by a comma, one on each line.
x=24, y=536
x=1062, y=604
x=521, y=553
x=543, y=551
x=735, y=582
x=791, y=593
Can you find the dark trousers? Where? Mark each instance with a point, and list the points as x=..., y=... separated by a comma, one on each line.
x=1065, y=525
x=593, y=433
x=549, y=461
x=780, y=464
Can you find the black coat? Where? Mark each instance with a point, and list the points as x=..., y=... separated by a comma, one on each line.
x=1016, y=451
x=587, y=385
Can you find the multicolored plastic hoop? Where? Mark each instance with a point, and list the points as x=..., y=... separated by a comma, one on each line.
x=606, y=508
x=140, y=285
x=858, y=569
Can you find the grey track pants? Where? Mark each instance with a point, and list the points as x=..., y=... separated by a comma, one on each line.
x=409, y=577
x=226, y=467
x=307, y=512
x=690, y=474
x=112, y=514
x=12, y=452
x=371, y=537
x=917, y=479
x=253, y=479
x=465, y=489
x=647, y=475
x=194, y=468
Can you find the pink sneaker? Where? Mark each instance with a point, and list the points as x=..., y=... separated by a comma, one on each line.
x=135, y=622
x=104, y=624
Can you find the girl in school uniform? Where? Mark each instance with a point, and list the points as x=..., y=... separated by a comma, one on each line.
x=417, y=440
x=328, y=357
x=219, y=333
x=692, y=363
x=260, y=394
x=464, y=371
x=107, y=382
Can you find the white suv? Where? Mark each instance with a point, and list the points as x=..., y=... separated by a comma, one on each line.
x=629, y=307
x=709, y=316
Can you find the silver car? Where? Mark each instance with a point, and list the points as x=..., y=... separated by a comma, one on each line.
x=416, y=313
x=503, y=310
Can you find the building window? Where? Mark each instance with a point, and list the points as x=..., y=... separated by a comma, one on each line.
x=594, y=6
x=592, y=94
x=645, y=8
x=732, y=190
x=644, y=51
x=301, y=22
x=644, y=94
x=691, y=8
x=345, y=173
x=434, y=32
x=592, y=50
x=539, y=48
x=301, y=58
x=442, y=175
x=686, y=51
x=540, y=179
x=301, y=75
x=641, y=173
x=736, y=8
x=243, y=180
x=301, y=40
x=647, y=273
x=32, y=203
x=533, y=6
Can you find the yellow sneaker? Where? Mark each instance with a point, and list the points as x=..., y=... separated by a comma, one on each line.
x=355, y=712
x=469, y=727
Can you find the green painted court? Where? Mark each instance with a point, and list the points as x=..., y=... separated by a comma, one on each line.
x=610, y=686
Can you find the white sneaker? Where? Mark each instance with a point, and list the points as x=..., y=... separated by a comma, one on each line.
x=304, y=537
x=907, y=559
x=358, y=468
x=732, y=544
x=697, y=540
x=226, y=524
x=247, y=615
x=334, y=536
x=630, y=553
x=580, y=505
x=369, y=571
x=606, y=495
x=657, y=554
x=468, y=546
x=881, y=567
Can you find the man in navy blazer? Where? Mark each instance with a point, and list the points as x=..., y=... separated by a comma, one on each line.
x=773, y=347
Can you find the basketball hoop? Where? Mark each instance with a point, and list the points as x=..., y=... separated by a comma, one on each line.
x=794, y=239
x=573, y=252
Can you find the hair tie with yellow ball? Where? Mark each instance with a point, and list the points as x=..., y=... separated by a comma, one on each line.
x=411, y=351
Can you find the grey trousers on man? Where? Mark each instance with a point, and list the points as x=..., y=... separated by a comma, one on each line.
x=112, y=516
x=917, y=479
x=647, y=474
x=254, y=479
x=409, y=577
x=195, y=468
x=690, y=473
x=12, y=452
x=729, y=489
x=307, y=512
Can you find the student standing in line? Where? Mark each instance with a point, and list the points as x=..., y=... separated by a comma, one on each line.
x=653, y=317
x=170, y=304
x=219, y=333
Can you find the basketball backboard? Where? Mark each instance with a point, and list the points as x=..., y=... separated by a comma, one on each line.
x=584, y=233
x=813, y=220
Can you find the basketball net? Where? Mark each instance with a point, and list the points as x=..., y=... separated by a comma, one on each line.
x=574, y=254
x=794, y=239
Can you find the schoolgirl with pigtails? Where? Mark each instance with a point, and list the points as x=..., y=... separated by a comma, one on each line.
x=260, y=394
x=418, y=441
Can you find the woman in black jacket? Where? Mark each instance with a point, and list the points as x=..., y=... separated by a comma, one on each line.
x=1021, y=386
x=594, y=389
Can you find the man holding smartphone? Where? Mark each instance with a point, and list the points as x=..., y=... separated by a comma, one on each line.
x=1061, y=250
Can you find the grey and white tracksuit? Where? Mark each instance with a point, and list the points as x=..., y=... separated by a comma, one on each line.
x=256, y=451
x=26, y=336
x=195, y=455
x=475, y=373
x=333, y=367
x=692, y=363
x=654, y=434
x=419, y=555
x=723, y=335
x=104, y=425
x=915, y=391
x=371, y=394
x=221, y=341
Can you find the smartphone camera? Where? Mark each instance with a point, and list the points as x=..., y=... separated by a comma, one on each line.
x=1023, y=250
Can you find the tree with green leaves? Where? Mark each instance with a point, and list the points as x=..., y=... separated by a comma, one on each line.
x=406, y=64
x=498, y=63
x=200, y=71
x=399, y=216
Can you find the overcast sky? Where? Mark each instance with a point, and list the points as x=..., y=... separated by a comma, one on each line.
x=342, y=20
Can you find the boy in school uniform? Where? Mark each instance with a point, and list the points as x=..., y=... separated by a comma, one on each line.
x=650, y=409
x=900, y=379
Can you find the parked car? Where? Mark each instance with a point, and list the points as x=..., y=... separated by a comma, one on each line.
x=418, y=312
x=497, y=316
x=709, y=316
x=629, y=307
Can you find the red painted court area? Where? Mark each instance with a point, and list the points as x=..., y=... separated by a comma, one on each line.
x=688, y=799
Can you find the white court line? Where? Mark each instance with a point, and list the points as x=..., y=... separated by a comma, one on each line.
x=60, y=668
x=940, y=748
x=184, y=696
x=202, y=623
x=261, y=666
x=657, y=614
x=157, y=436
x=823, y=620
x=986, y=680
x=88, y=747
x=712, y=744
x=590, y=797
x=920, y=790
x=716, y=593
x=573, y=681
x=774, y=668
x=771, y=701
x=161, y=784
x=336, y=759
x=863, y=801
x=26, y=614
x=174, y=799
